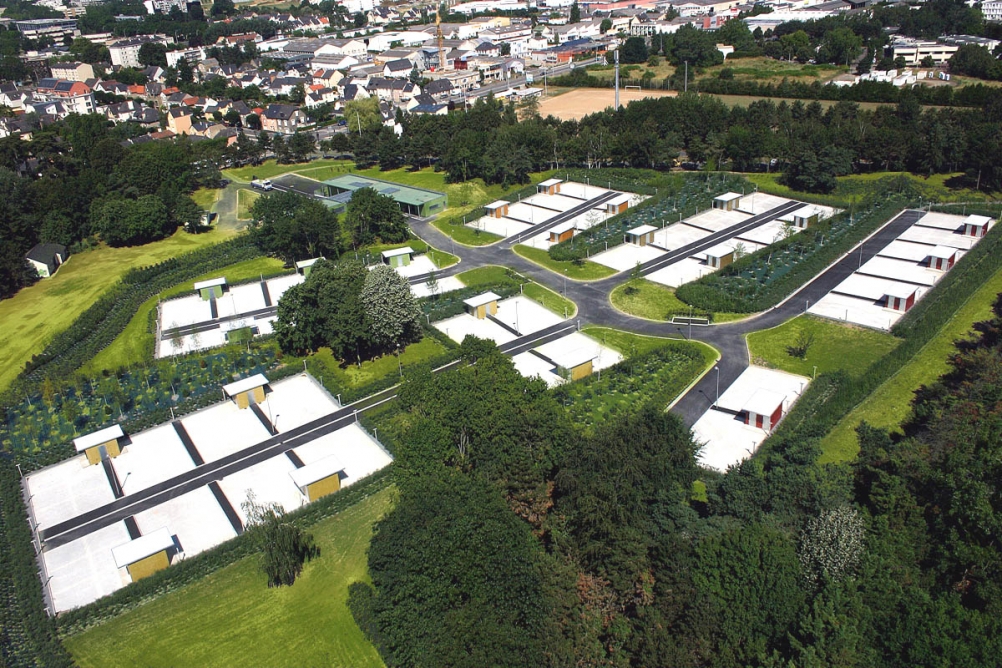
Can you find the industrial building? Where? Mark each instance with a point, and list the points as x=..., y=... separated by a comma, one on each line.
x=412, y=201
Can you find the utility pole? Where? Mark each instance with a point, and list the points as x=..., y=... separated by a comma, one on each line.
x=616, y=54
x=686, y=77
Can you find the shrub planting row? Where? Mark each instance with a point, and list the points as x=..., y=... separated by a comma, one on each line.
x=191, y=570
x=99, y=325
x=450, y=304
x=762, y=279
x=27, y=634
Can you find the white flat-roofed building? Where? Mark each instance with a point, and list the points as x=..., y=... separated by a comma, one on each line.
x=145, y=555
x=914, y=51
x=320, y=478
x=641, y=235
x=247, y=390
x=398, y=257
x=727, y=201
x=942, y=258
x=100, y=444
x=482, y=305
x=549, y=186
x=976, y=226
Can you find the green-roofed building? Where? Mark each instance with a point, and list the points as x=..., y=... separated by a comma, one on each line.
x=412, y=201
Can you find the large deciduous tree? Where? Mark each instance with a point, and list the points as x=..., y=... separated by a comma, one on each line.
x=294, y=227
x=371, y=217
x=390, y=308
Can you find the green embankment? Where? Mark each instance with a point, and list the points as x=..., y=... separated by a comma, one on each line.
x=232, y=618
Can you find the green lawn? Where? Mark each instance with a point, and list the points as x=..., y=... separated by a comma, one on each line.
x=324, y=365
x=36, y=314
x=440, y=259
x=134, y=344
x=232, y=618
x=855, y=186
x=206, y=197
x=467, y=236
x=245, y=200
x=890, y=404
x=654, y=301
x=269, y=169
x=835, y=346
x=629, y=343
x=585, y=271
x=494, y=274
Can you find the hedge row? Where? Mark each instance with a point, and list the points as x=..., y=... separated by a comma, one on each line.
x=750, y=284
x=27, y=634
x=99, y=325
x=191, y=570
x=450, y=304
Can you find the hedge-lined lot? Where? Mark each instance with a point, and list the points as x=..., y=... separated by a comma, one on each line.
x=762, y=279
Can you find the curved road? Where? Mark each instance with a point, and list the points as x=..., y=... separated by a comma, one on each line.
x=595, y=307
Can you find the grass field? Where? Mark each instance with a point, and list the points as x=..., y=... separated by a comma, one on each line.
x=855, y=186
x=586, y=271
x=653, y=301
x=467, y=236
x=354, y=375
x=890, y=404
x=628, y=343
x=245, y=200
x=836, y=347
x=206, y=197
x=34, y=315
x=134, y=343
x=557, y=303
x=232, y=618
x=269, y=169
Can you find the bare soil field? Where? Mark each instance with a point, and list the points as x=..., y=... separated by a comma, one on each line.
x=580, y=102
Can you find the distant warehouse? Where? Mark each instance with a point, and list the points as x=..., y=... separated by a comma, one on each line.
x=412, y=201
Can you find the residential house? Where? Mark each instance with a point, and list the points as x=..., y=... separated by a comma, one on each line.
x=179, y=120
x=76, y=97
x=398, y=69
x=283, y=118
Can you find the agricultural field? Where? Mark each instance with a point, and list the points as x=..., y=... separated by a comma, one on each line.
x=827, y=346
x=232, y=618
x=36, y=314
x=890, y=404
x=580, y=102
x=769, y=70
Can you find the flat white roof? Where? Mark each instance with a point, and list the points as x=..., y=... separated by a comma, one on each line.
x=562, y=227
x=763, y=402
x=211, y=283
x=977, y=221
x=550, y=182
x=806, y=211
x=727, y=197
x=618, y=199
x=944, y=252
x=142, y=547
x=98, y=437
x=481, y=300
x=642, y=229
x=318, y=470
x=307, y=263
x=500, y=204
x=249, y=383
x=721, y=249
x=406, y=250
x=902, y=290
x=572, y=358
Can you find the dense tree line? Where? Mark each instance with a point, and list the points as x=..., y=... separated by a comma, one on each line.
x=488, y=142
x=75, y=181
x=518, y=540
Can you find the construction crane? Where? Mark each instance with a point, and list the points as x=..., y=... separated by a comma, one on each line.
x=441, y=42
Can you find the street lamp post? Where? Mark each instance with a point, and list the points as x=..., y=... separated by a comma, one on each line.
x=717, y=369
